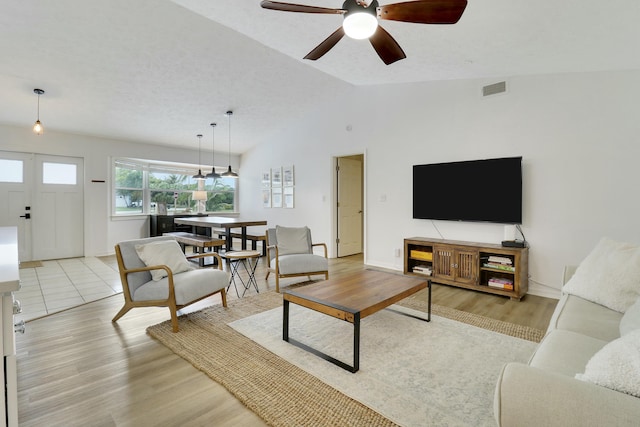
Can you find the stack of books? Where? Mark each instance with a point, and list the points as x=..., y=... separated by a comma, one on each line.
x=422, y=270
x=499, y=263
x=498, y=282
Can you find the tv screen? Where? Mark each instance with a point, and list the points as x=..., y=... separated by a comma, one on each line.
x=479, y=190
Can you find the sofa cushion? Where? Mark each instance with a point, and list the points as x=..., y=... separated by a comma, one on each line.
x=565, y=352
x=617, y=365
x=301, y=263
x=165, y=252
x=609, y=275
x=189, y=286
x=631, y=319
x=585, y=317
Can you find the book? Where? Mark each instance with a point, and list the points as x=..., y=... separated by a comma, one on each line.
x=500, y=260
x=497, y=282
x=499, y=266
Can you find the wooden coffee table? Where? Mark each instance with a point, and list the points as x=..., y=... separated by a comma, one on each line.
x=351, y=298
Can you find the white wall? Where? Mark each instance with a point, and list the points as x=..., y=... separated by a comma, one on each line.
x=577, y=133
x=101, y=231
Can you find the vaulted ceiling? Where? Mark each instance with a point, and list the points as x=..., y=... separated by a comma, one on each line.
x=160, y=71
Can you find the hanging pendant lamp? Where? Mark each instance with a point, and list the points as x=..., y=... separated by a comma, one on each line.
x=37, y=127
x=199, y=175
x=229, y=173
x=213, y=174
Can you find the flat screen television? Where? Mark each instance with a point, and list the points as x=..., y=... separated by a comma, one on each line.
x=487, y=190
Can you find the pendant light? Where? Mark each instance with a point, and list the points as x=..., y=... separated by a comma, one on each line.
x=213, y=174
x=199, y=175
x=229, y=173
x=37, y=127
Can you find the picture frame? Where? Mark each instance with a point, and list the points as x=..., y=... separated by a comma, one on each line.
x=276, y=197
x=276, y=177
x=266, y=179
x=288, y=176
x=266, y=197
x=288, y=197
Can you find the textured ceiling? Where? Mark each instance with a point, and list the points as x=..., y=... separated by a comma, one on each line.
x=161, y=71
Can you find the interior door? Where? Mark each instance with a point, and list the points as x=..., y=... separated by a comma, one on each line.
x=16, y=182
x=350, y=215
x=58, y=207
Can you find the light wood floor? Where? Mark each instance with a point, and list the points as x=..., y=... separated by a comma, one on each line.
x=76, y=368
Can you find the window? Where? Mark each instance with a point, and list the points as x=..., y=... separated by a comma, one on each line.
x=10, y=170
x=142, y=187
x=59, y=173
x=129, y=188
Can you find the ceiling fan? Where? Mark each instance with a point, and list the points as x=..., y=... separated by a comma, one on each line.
x=361, y=21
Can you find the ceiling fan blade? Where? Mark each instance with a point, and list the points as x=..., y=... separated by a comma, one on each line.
x=424, y=11
x=290, y=7
x=326, y=45
x=386, y=46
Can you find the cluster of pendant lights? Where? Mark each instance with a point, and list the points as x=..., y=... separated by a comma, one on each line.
x=213, y=175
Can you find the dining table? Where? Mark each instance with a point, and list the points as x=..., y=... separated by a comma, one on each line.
x=221, y=222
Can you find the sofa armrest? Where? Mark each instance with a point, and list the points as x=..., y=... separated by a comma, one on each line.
x=527, y=396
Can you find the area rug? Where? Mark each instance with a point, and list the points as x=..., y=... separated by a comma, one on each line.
x=280, y=392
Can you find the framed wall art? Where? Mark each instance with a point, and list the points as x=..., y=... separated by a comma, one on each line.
x=287, y=198
x=276, y=177
x=276, y=197
x=287, y=176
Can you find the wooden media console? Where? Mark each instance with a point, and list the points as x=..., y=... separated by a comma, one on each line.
x=482, y=267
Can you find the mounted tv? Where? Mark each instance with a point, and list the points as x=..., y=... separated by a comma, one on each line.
x=487, y=190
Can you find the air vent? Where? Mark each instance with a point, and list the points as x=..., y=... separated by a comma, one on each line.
x=494, y=89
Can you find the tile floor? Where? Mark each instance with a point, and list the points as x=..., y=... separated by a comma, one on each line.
x=60, y=284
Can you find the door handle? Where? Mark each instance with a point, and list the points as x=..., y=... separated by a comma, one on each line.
x=26, y=216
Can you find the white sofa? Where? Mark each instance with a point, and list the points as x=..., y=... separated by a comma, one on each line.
x=546, y=392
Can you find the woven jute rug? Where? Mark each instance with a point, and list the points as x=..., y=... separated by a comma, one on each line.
x=278, y=391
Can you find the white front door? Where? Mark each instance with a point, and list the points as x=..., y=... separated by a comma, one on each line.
x=58, y=208
x=350, y=216
x=43, y=197
x=16, y=181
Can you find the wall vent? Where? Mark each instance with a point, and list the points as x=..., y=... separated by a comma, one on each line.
x=494, y=89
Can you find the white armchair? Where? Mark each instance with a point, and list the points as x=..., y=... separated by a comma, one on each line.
x=290, y=252
x=155, y=273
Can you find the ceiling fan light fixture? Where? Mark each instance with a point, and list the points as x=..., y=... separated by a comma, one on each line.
x=360, y=25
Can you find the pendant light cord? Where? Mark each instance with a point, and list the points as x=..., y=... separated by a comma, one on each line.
x=229, y=113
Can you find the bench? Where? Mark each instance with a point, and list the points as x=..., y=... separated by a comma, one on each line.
x=198, y=241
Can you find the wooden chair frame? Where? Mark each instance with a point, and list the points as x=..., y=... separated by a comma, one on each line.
x=170, y=302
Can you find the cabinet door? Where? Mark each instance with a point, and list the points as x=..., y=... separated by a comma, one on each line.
x=466, y=266
x=458, y=264
x=443, y=262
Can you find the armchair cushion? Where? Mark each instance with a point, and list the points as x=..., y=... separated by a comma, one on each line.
x=293, y=240
x=300, y=263
x=164, y=252
x=188, y=287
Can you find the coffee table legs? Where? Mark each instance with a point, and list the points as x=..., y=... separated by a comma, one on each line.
x=356, y=341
